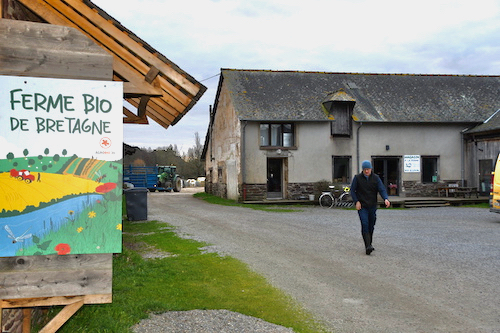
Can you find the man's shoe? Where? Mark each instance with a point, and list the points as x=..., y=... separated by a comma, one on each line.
x=367, y=238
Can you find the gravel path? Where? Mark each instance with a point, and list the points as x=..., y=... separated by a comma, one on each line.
x=434, y=270
x=206, y=321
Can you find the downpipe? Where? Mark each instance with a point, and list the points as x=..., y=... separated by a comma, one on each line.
x=357, y=145
x=243, y=158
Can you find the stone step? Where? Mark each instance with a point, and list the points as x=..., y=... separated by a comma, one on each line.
x=425, y=203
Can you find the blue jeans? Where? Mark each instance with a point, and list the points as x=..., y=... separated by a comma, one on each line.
x=368, y=217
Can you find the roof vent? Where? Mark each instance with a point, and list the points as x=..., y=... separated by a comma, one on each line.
x=339, y=96
x=337, y=99
x=352, y=85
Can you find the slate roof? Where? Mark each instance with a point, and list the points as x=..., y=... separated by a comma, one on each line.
x=297, y=96
x=491, y=124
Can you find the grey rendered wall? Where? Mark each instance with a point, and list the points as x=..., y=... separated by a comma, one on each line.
x=312, y=160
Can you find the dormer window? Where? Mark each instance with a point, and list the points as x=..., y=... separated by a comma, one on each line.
x=342, y=113
x=340, y=106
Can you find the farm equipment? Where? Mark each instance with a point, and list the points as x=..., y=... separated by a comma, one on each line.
x=154, y=178
x=23, y=175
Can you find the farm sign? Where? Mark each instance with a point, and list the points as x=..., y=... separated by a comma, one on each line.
x=411, y=163
x=61, y=144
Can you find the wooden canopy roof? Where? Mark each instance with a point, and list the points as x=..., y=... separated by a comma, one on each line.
x=154, y=85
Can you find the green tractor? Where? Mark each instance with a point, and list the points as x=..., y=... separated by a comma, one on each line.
x=169, y=179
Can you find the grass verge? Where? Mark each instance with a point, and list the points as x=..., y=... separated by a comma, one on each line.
x=186, y=278
x=226, y=202
x=478, y=205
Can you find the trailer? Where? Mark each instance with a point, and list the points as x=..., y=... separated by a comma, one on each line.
x=154, y=178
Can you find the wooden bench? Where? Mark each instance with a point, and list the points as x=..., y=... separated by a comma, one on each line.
x=457, y=190
x=466, y=191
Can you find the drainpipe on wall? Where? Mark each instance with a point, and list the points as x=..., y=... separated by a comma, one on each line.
x=462, y=157
x=357, y=147
x=243, y=166
x=210, y=128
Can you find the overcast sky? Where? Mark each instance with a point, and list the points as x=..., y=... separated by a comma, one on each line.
x=385, y=36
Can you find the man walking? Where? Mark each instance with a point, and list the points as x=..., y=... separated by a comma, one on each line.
x=364, y=189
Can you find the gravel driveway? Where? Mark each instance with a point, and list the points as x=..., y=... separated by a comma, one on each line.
x=434, y=269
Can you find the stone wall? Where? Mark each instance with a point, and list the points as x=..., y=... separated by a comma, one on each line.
x=253, y=192
x=418, y=189
x=300, y=191
x=295, y=191
x=217, y=189
x=12, y=320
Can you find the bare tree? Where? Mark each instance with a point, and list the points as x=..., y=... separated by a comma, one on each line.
x=188, y=166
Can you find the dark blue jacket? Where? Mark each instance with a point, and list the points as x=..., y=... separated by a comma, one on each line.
x=365, y=190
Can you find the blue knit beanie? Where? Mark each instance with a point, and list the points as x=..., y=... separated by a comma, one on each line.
x=366, y=165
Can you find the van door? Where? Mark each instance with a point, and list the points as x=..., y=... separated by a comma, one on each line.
x=495, y=189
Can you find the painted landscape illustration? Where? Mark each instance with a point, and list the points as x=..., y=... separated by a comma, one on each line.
x=61, y=148
x=59, y=204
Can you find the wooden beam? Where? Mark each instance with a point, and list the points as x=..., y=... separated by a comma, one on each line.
x=174, y=101
x=71, y=303
x=55, y=45
x=159, y=104
x=44, y=10
x=27, y=320
x=151, y=113
x=149, y=78
x=152, y=74
x=123, y=67
x=143, y=87
x=53, y=275
x=132, y=118
x=63, y=316
x=134, y=46
x=159, y=121
x=56, y=300
x=131, y=90
x=154, y=110
x=141, y=109
x=109, y=42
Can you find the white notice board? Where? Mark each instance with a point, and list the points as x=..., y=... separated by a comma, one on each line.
x=411, y=163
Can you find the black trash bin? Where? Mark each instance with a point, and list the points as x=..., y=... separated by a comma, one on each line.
x=136, y=200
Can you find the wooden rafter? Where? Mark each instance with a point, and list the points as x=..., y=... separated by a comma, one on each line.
x=71, y=305
x=132, y=118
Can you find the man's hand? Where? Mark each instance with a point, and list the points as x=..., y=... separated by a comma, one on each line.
x=358, y=205
x=387, y=203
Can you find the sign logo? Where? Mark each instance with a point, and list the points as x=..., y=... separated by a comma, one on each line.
x=105, y=143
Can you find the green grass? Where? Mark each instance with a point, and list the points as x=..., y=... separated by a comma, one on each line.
x=185, y=280
x=227, y=202
x=478, y=205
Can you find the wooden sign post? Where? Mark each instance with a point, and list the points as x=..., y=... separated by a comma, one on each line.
x=60, y=169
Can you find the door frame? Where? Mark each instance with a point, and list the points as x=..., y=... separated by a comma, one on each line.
x=387, y=172
x=280, y=163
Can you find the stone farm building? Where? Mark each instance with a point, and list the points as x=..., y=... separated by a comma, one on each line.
x=279, y=134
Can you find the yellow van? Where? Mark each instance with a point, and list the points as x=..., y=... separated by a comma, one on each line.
x=495, y=188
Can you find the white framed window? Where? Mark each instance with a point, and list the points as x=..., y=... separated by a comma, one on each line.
x=277, y=135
